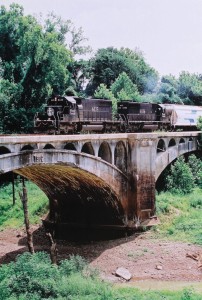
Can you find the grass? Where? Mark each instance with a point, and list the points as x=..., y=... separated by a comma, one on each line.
x=181, y=216
x=12, y=215
x=135, y=294
x=33, y=277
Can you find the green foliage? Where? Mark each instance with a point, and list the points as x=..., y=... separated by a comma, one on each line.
x=34, y=277
x=108, y=63
x=190, y=87
x=102, y=92
x=34, y=63
x=195, y=165
x=12, y=216
x=124, y=89
x=199, y=123
x=135, y=294
x=180, y=180
x=180, y=216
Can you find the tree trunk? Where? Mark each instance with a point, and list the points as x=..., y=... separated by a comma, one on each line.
x=23, y=197
x=53, y=249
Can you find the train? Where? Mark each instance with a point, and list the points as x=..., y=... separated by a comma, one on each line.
x=73, y=115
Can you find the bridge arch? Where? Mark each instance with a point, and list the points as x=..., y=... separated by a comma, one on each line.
x=27, y=147
x=165, y=158
x=48, y=146
x=172, y=143
x=70, y=146
x=88, y=148
x=105, y=152
x=161, y=146
x=4, y=150
x=120, y=156
x=182, y=141
x=80, y=188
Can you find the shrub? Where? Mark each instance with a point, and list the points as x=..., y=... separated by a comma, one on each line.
x=33, y=277
x=180, y=180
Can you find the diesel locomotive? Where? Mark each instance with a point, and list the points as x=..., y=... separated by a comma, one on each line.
x=71, y=115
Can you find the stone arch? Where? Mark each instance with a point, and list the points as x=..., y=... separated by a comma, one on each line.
x=88, y=148
x=172, y=143
x=4, y=150
x=105, y=152
x=70, y=146
x=27, y=147
x=48, y=146
x=161, y=147
x=182, y=141
x=190, y=139
x=120, y=156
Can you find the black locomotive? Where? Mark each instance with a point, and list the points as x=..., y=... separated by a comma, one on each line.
x=70, y=115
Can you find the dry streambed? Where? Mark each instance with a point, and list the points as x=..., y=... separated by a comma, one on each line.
x=152, y=263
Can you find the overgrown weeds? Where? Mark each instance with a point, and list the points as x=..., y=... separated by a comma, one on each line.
x=181, y=216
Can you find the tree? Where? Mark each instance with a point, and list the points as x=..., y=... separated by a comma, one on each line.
x=34, y=63
x=167, y=91
x=195, y=165
x=180, y=180
x=102, y=92
x=190, y=88
x=199, y=123
x=124, y=89
x=67, y=32
x=108, y=63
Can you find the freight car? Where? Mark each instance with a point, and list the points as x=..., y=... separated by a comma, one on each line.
x=70, y=115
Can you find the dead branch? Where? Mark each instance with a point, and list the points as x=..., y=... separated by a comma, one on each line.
x=53, y=249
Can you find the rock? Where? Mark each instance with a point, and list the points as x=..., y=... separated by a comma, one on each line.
x=19, y=234
x=159, y=267
x=124, y=273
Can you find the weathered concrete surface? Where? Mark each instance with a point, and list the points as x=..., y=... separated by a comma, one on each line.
x=124, y=166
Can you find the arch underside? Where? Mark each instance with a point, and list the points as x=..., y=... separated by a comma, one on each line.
x=75, y=196
x=165, y=159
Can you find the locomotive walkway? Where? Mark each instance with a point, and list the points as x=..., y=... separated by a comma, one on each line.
x=96, y=179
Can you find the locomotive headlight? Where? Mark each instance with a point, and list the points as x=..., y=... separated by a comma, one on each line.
x=50, y=111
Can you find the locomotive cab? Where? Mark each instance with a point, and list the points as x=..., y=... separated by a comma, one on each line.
x=60, y=116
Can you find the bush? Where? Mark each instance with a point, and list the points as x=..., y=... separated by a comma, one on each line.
x=34, y=277
x=180, y=180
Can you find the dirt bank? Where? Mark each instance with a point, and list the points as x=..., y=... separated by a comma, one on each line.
x=145, y=258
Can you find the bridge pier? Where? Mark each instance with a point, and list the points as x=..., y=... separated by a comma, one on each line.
x=141, y=170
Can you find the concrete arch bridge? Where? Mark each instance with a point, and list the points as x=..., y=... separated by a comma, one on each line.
x=97, y=179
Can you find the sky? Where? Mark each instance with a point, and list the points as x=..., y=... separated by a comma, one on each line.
x=168, y=32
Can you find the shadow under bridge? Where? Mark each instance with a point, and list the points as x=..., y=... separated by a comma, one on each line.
x=80, y=196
